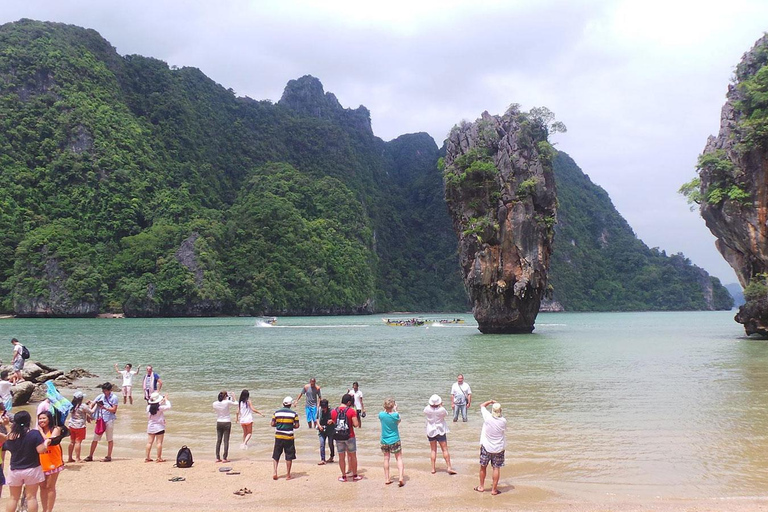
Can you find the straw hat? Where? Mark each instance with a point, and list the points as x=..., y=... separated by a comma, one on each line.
x=155, y=398
x=287, y=400
x=435, y=400
x=496, y=410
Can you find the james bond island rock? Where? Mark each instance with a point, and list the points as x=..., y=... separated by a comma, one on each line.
x=732, y=186
x=500, y=191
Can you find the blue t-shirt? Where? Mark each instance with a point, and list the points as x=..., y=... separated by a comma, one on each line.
x=24, y=450
x=389, y=431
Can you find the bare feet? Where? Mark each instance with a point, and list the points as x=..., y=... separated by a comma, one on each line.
x=400, y=483
x=225, y=460
x=71, y=460
x=388, y=482
x=451, y=471
x=321, y=463
x=494, y=492
x=288, y=477
x=218, y=460
x=434, y=471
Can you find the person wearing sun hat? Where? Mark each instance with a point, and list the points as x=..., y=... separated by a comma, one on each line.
x=157, y=405
x=493, y=439
x=436, y=431
x=285, y=422
x=79, y=415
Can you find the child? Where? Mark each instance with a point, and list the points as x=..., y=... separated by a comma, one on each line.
x=79, y=415
x=390, y=439
x=127, y=381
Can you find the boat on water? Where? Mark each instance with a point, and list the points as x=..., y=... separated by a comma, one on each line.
x=404, y=322
x=445, y=321
x=264, y=322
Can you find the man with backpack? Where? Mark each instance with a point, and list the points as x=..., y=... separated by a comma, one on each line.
x=345, y=419
x=20, y=354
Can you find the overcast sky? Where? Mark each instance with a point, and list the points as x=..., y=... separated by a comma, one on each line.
x=639, y=84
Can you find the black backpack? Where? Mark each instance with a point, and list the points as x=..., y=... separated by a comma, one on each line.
x=341, y=432
x=24, y=352
x=184, y=458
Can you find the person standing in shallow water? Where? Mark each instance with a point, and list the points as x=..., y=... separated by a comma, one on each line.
x=493, y=439
x=245, y=412
x=106, y=408
x=312, y=392
x=223, y=423
x=127, y=375
x=461, y=398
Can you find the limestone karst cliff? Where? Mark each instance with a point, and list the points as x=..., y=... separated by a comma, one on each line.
x=500, y=191
x=733, y=192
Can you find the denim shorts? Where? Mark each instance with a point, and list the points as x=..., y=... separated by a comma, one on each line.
x=440, y=438
x=350, y=445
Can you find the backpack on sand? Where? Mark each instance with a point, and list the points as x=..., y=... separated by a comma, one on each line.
x=341, y=432
x=184, y=458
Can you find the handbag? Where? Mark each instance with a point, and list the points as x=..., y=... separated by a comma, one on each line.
x=101, y=427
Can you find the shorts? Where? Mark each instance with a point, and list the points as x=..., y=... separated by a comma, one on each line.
x=284, y=445
x=391, y=448
x=54, y=471
x=440, y=438
x=156, y=433
x=311, y=414
x=127, y=390
x=19, y=477
x=18, y=364
x=350, y=445
x=109, y=432
x=77, y=434
x=496, y=459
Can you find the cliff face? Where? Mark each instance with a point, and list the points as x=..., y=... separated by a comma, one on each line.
x=733, y=170
x=501, y=195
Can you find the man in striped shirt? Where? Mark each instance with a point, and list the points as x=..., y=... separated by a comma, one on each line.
x=285, y=421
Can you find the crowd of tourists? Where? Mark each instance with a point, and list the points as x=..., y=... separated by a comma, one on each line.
x=36, y=456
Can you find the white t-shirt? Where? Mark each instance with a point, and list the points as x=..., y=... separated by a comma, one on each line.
x=436, y=420
x=156, y=423
x=460, y=393
x=128, y=377
x=358, y=396
x=222, y=409
x=5, y=390
x=17, y=351
x=493, y=436
x=246, y=415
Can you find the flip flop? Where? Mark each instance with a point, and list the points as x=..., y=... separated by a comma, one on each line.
x=177, y=479
x=451, y=472
x=321, y=463
x=274, y=477
x=400, y=483
x=247, y=490
x=342, y=479
x=494, y=493
x=239, y=493
x=356, y=478
x=387, y=483
x=106, y=459
x=147, y=460
x=160, y=460
x=233, y=472
x=478, y=489
x=224, y=469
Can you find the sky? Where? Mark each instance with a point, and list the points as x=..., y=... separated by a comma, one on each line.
x=639, y=84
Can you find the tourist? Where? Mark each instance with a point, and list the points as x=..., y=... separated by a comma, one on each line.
x=51, y=459
x=285, y=422
x=390, y=439
x=245, y=417
x=437, y=431
x=79, y=416
x=6, y=397
x=223, y=423
x=359, y=406
x=17, y=360
x=127, y=374
x=151, y=383
x=492, y=444
x=325, y=431
x=156, y=408
x=461, y=398
x=25, y=446
x=312, y=393
x=345, y=420
x=3, y=437
x=106, y=409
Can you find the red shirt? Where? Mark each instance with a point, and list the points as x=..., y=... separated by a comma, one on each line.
x=351, y=413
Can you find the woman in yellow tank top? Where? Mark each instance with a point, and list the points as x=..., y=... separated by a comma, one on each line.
x=51, y=460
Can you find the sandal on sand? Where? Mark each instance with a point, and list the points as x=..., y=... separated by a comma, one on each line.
x=494, y=493
x=240, y=492
x=388, y=482
x=356, y=478
x=224, y=469
x=342, y=479
x=106, y=459
x=247, y=490
x=321, y=463
x=147, y=460
x=159, y=460
x=330, y=460
x=400, y=483
x=88, y=459
x=70, y=460
x=478, y=489
x=451, y=472
x=274, y=477
x=233, y=472
x=177, y=479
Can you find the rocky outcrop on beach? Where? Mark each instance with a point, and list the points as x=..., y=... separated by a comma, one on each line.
x=500, y=191
x=733, y=185
x=36, y=374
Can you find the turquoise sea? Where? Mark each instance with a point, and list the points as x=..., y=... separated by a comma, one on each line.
x=635, y=404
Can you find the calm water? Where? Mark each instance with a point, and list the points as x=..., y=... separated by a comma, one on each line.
x=645, y=404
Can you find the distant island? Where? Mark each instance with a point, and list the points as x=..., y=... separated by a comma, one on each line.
x=132, y=187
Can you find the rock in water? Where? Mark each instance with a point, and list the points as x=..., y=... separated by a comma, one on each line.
x=733, y=188
x=500, y=191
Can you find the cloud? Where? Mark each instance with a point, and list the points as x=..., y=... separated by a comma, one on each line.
x=638, y=83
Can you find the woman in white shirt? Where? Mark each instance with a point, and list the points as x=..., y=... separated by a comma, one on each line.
x=245, y=417
x=158, y=404
x=223, y=423
x=436, y=431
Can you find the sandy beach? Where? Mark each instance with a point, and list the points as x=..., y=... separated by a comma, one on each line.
x=132, y=484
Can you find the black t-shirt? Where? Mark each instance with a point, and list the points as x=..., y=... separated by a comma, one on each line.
x=24, y=450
